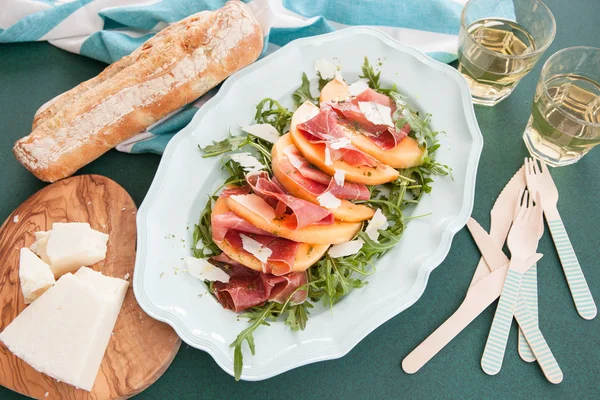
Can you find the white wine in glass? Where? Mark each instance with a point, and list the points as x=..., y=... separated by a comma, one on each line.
x=498, y=44
x=565, y=114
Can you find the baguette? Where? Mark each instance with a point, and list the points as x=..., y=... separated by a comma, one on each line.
x=172, y=69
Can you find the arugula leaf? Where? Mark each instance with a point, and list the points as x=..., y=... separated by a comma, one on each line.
x=203, y=234
x=303, y=93
x=369, y=73
x=256, y=319
x=224, y=146
x=322, y=81
x=269, y=111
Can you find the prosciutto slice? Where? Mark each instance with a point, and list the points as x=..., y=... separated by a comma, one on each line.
x=316, y=181
x=303, y=212
x=228, y=226
x=247, y=288
x=384, y=136
x=222, y=223
x=324, y=128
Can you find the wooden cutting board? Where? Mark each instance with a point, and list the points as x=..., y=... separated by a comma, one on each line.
x=141, y=348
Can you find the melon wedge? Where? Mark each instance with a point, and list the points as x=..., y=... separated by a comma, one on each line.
x=405, y=155
x=306, y=255
x=315, y=154
x=334, y=90
x=337, y=232
x=347, y=211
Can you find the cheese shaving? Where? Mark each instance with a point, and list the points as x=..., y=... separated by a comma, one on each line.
x=326, y=69
x=346, y=249
x=376, y=113
x=329, y=201
x=253, y=247
x=358, y=87
x=339, y=143
x=339, y=177
x=205, y=271
x=264, y=131
x=338, y=76
x=248, y=162
x=16, y=219
x=379, y=221
x=328, y=156
x=294, y=160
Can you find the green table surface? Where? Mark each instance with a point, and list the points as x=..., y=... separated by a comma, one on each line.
x=32, y=73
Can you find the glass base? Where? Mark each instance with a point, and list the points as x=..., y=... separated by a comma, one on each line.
x=546, y=151
x=486, y=93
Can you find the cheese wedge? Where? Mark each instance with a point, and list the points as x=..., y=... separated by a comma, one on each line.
x=65, y=332
x=39, y=246
x=34, y=274
x=73, y=245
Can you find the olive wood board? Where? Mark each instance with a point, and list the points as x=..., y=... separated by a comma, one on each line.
x=141, y=348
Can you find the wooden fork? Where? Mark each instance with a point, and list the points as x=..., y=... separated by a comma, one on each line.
x=540, y=181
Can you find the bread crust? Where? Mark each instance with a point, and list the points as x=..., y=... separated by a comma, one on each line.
x=170, y=70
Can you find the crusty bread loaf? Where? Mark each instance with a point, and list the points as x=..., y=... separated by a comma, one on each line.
x=174, y=68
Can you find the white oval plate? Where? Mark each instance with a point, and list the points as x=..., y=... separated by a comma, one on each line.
x=184, y=180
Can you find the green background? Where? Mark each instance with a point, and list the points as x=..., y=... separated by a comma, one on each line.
x=32, y=73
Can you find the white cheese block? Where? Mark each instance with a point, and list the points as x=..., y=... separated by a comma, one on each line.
x=325, y=68
x=34, y=274
x=379, y=221
x=346, y=249
x=376, y=113
x=39, y=246
x=253, y=247
x=65, y=332
x=73, y=245
x=205, y=271
x=358, y=87
x=248, y=162
x=264, y=131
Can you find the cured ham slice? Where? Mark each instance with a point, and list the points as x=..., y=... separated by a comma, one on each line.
x=303, y=213
x=247, y=288
x=324, y=128
x=222, y=223
x=283, y=251
x=316, y=181
x=228, y=226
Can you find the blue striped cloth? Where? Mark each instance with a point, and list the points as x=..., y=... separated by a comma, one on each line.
x=107, y=30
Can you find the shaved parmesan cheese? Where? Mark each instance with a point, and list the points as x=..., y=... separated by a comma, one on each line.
x=329, y=201
x=346, y=248
x=358, y=87
x=205, y=271
x=328, y=156
x=379, y=221
x=248, y=162
x=338, y=76
x=376, y=113
x=325, y=68
x=263, y=131
x=294, y=160
x=340, y=143
x=253, y=247
x=339, y=177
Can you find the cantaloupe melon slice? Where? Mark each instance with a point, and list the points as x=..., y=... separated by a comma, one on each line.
x=306, y=255
x=347, y=211
x=337, y=232
x=315, y=154
x=334, y=90
x=405, y=155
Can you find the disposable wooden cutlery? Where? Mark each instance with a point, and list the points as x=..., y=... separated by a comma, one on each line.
x=540, y=181
x=523, y=313
x=485, y=286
